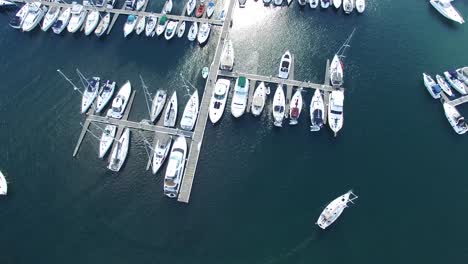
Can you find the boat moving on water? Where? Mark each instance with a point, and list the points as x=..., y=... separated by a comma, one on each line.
x=175, y=168
x=105, y=95
x=120, y=101
x=295, y=107
x=335, y=111
x=447, y=10
x=285, y=65
x=218, y=100
x=239, y=99
x=189, y=117
x=62, y=21
x=317, y=109
x=157, y=104
x=90, y=94
x=119, y=154
x=334, y=209
x=107, y=139
x=160, y=153
x=456, y=120
x=170, y=116
x=279, y=104
x=445, y=87
x=432, y=87
x=259, y=98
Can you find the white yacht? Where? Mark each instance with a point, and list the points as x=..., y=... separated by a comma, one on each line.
x=78, y=15
x=285, y=65
x=295, y=107
x=191, y=6
x=3, y=184
x=120, y=151
x=462, y=75
x=210, y=9
x=160, y=153
x=325, y=3
x=455, y=83
x=432, y=87
x=335, y=111
x=455, y=119
x=203, y=33
x=444, y=85
x=120, y=101
x=161, y=25
x=337, y=3
x=218, y=100
x=90, y=94
x=18, y=19
x=157, y=104
x=62, y=21
x=50, y=18
x=151, y=26
x=360, y=6
x=106, y=93
x=239, y=99
x=130, y=24
x=447, y=10
x=313, y=3
x=170, y=115
x=140, y=25
x=181, y=30
x=348, y=6
x=193, y=31
x=35, y=14
x=227, y=57
x=171, y=29
x=107, y=139
x=317, y=110
x=334, y=209
x=279, y=104
x=92, y=20
x=167, y=8
x=336, y=72
x=189, y=117
x=259, y=99
x=140, y=4
x=175, y=168
x=103, y=25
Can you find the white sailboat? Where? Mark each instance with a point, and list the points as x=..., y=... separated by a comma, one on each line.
x=35, y=14
x=447, y=10
x=171, y=29
x=279, y=104
x=360, y=6
x=161, y=25
x=160, y=153
x=227, y=57
x=455, y=83
x=239, y=99
x=210, y=9
x=91, y=22
x=170, y=115
x=444, y=85
x=337, y=3
x=295, y=107
x=175, y=168
x=106, y=93
x=106, y=140
x=50, y=18
x=151, y=26
x=181, y=30
x=62, y=21
x=191, y=6
x=335, y=111
x=335, y=209
x=348, y=6
x=90, y=93
x=130, y=25
x=140, y=25
x=78, y=15
x=456, y=120
x=189, y=117
x=157, y=105
x=259, y=99
x=218, y=100
x=336, y=72
x=193, y=31
x=120, y=101
x=3, y=184
x=103, y=25
x=432, y=87
x=313, y=3
x=317, y=110
x=203, y=33
x=119, y=154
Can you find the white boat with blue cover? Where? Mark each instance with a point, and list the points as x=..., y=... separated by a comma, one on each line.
x=210, y=9
x=90, y=94
x=456, y=120
x=317, y=111
x=348, y=6
x=447, y=10
x=50, y=17
x=119, y=154
x=107, y=138
x=335, y=209
x=432, y=87
x=239, y=99
x=62, y=21
x=106, y=93
x=218, y=100
x=175, y=168
x=454, y=82
x=279, y=104
x=120, y=101
x=160, y=153
x=444, y=85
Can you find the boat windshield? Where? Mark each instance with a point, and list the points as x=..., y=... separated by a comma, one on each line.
x=279, y=108
x=336, y=112
x=219, y=96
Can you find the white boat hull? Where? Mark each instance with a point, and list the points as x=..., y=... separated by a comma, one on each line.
x=189, y=117
x=107, y=139
x=120, y=151
x=170, y=115
x=218, y=100
x=279, y=104
x=259, y=99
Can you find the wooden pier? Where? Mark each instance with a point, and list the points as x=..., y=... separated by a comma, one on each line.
x=326, y=94
x=289, y=87
x=455, y=102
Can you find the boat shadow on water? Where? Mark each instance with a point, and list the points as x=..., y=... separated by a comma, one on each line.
x=452, y=25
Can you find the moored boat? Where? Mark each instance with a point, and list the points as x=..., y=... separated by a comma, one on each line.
x=285, y=65
x=455, y=83
x=218, y=100
x=167, y=8
x=120, y=101
x=90, y=94
x=62, y=21
x=210, y=9
x=139, y=4
x=17, y=20
x=302, y=2
x=140, y=25
x=157, y=104
x=160, y=153
x=189, y=117
x=279, y=104
x=35, y=14
x=259, y=99
x=462, y=75
x=360, y=6
x=170, y=115
x=456, y=120
x=325, y=3
x=447, y=10
x=130, y=24
x=200, y=10
x=313, y=3
x=181, y=30
x=175, y=167
x=444, y=85
x=335, y=111
x=227, y=57
x=103, y=25
x=151, y=23
x=336, y=72
x=191, y=4
x=193, y=32
x=337, y=3
x=295, y=107
x=348, y=6
x=120, y=151
x=50, y=17
x=432, y=87
x=92, y=20
x=278, y=2
x=171, y=29
x=78, y=15
x=335, y=209
x=106, y=93
x=239, y=99
x=107, y=138
x=317, y=111
x=242, y=3
x=203, y=33
x=161, y=25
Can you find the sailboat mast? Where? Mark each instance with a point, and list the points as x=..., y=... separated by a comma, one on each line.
x=66, y=78
x=147, y=95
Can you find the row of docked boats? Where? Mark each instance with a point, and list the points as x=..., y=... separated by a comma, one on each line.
x=348, y=5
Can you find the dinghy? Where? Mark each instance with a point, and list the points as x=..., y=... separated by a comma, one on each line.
x=92, y=20
x=285, y=65
x=191, y=6
x=119, y=154
x=140, y=25
x=317, y=110
x=227, y=57
x=279, y=104
x=336, y=72
x=50, y=18
x=181, y=30
x=360, y=6
x=239, y=99
x=200, y=10
x=120, y=101
x=218, y=100
x=445, y=87
x=106, y=93
x=175, y=167
x=295, y=107
x=258, y=100
x=106, y=140
x=103, y=25
x=335, y=111
x=203, y=33
x=160, y=153
x=313, y=3
x=432, y=87
x=348, y=6
x=3, y=184
x=189, y=117
x=62, y=21
x=325, y=3
x=210, y=9
x=337, y=3
x=78, y=15
x=334, y=209
x=151, y=26
x=89, y=94
x=193, y=31
x=161, y=25
x=157, y=105
x=456, y=120
x=455, y=83
x=170, y=115
x=130, y=24
x=171, y=29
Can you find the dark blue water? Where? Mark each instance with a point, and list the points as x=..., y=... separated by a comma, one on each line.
x=258, y=190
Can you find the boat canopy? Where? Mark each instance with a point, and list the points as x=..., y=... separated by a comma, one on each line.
x=242, y=81
x=163, y=20
x=131, y=18
x=436, y=88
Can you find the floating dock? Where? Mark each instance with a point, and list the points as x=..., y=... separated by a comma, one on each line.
x=455, y=102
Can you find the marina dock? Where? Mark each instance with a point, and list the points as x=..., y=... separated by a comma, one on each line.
x=289, y=88
x=455, y=102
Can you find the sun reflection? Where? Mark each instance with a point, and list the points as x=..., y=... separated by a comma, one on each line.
x=254, y=13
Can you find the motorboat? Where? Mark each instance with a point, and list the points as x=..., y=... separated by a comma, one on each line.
x=210, y=9
x=218, y=100
x=239, y=99
x=200, y=10
x=105, y=94
x=191, y=4
x=35, y=14
x=120, y=151
x=336, y=72
x=205, y=72
x=302, y=2
x=130, y=24
x=160, y=153
x=90, y=93
x=107, y=138
x=78, y=15
x=227, y=57
x=181, y=30
x=120, y=101
x=462, y=76
x=317, y=110
x=171, y=29
x=140, y=4
x=103, y=25
x=175, y=167
x=62, y=21
x=167, y=8
x=193, y=31
x=335, y=111
x=295, y=107
x=170, y=115
x=432, y=87
x=259, y=99
x=3, y=184
x=337, y=3
x=313, y=3
x=325, y=3
x=335, y=209
x=444, y=85
x=203, y=33
x=189, y=117
x=92, y=22
x=140, y=25
x=454, y=82
x=278, y=2
x=285, y=65
x=161, y=25
x=360, y=6
x=279, y=104
x=447, y=10
x=130, y=4
x=456, y=120
x=242, y=3
x=348, y=6
x=157, y=104
x=151, y=23
x=18, y=19
x=50, y=17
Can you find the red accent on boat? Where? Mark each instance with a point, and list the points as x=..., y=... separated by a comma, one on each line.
x=200, y=10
